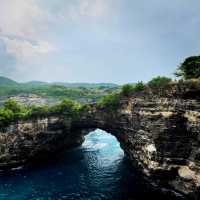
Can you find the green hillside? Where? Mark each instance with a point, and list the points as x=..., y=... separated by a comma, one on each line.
x=87, y=85
x=7, y=82
x=81, y=92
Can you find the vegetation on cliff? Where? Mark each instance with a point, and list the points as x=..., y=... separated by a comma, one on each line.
x=128, y=89
x=158, y=87
x=112, y=102
x=12, y=111
x=190, y=68
x=109, y=102
x=159, y=82
x=66, y=108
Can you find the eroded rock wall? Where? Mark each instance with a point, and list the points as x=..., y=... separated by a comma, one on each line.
x=28, y=141
x=162, y=138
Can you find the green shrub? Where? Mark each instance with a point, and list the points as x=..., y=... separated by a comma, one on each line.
x=6, y=116
x=39, y=111
x=85, y=108
x=109, y=102
x=159, y=82
x=139, y=86
x=12, y=105
x=19, y=111
x=12, y=111
x=127, y=90
x=190, y=68
x=66, y=108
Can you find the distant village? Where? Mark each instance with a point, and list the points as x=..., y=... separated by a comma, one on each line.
x=30, y=100
x=33, y=99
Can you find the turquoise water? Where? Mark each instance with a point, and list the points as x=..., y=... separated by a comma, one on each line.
x=96, y=171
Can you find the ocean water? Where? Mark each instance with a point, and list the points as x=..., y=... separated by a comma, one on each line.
x=98, y=170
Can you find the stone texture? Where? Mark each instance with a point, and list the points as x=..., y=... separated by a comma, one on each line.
x=28, y=141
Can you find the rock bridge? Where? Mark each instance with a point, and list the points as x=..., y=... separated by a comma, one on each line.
x=159, y=134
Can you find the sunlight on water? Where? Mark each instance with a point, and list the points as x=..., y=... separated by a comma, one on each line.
x=96, y=171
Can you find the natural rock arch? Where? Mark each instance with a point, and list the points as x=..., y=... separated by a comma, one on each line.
x=161, y=135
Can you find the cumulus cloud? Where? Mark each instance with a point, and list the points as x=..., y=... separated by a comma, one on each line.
x=22, y=21
x=30, y=30
x=22, y=18
x=23, y=49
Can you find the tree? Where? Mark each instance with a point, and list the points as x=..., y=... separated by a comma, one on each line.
x=6, y=116
x=67, y=108
x=110, y=102
x=139, y=86
x=39, y=111
x=127, y=90
x=159, y=82
x=18, y=110
x=85, y=108
x=190, y=68
x=12, y=105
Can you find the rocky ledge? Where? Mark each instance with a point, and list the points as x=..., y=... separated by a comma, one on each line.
x=158, y=130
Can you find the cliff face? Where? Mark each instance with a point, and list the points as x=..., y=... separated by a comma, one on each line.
x=159, y=133
x=161, y=137
x=28, y=141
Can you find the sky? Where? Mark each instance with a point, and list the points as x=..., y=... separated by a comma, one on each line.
x=119, y=41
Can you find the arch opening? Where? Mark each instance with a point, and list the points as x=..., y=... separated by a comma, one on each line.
x=105, y=144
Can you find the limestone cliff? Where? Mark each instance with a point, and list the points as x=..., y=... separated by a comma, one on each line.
x=162, y=138
x=28, y=141
x=160, y=133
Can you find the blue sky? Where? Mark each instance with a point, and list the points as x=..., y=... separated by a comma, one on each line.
x=116, y=41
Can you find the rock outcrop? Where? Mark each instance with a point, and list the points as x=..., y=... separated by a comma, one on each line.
x=33, y=140
x=159, y=131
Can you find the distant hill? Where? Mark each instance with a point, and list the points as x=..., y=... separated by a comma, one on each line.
x=87, y=85
x=35, y=83
x=7, y=82
x=72, y=85
x=80, y=92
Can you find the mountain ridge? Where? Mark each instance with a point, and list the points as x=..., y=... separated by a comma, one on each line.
x=4, y=81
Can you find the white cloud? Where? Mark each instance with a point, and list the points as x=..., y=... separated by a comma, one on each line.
x=26, y=27
x=23, y=21
x=23, y=49
x=26, y=20
x=21, y=18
